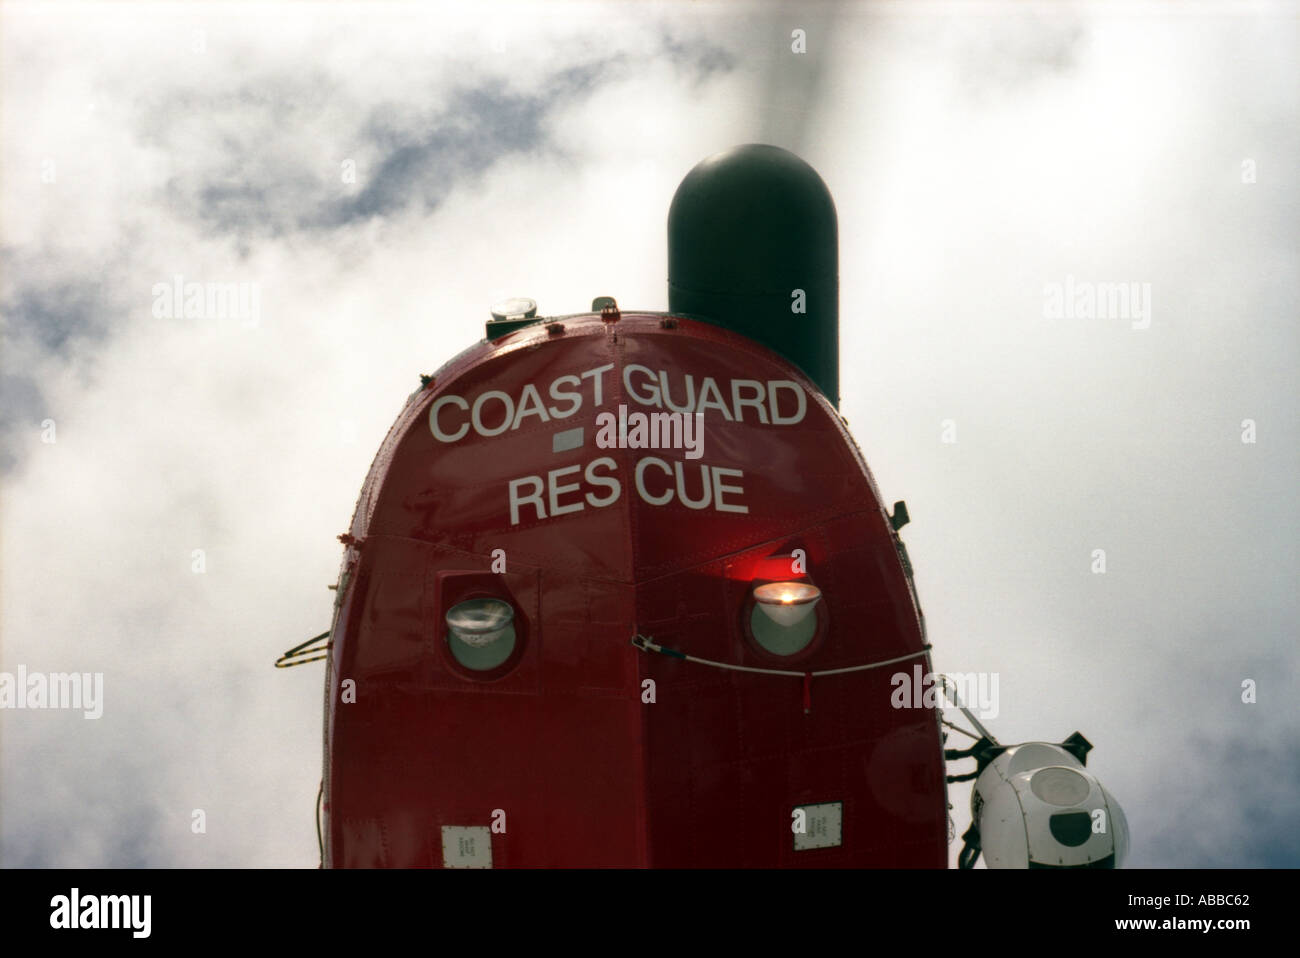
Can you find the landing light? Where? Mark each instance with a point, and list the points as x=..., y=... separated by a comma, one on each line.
x=480, y=622
x=787, y=603
x=519, y=307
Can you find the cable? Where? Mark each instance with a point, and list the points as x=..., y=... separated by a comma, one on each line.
x=958, y=728
x=320, y=840
x=295, y=655
x=646, y=644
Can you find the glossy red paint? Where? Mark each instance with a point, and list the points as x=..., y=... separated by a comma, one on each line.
x=561, y=741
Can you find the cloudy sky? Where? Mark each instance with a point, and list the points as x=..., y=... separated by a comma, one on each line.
x=378, y=175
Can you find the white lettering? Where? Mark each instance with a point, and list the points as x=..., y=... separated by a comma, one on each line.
x=755, y=400
x=651, y=396
x=660, y=430
x=575, y=399
x=610, y=482
x=476, y=416
x=557, y=490
x=639, y=476
x=707, y=495
x=433, y=419
x=597, y=380
x=719, y=489
x=690, y=394
x=775, y=403
x=74, y=911
x=530, y=404
x=554, y=496
x=645, y=387
x=710, y=388
x=534, y=498
x=58, y=690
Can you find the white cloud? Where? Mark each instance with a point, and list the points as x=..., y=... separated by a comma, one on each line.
x=1115, y=158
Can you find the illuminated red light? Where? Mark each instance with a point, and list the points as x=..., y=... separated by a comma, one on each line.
x=787, y=603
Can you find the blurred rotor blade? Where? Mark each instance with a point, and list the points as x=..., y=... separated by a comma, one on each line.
x=793, y=87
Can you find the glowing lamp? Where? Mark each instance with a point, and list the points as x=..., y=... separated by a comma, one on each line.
x=787, y=603
x=480, y=622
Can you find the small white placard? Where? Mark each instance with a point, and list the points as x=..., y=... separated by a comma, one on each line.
x=466, y=846
x=821, y=826
x=569, y=439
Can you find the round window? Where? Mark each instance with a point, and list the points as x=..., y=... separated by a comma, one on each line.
x=784, y=618
x=779, y=639
x=481, y=633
